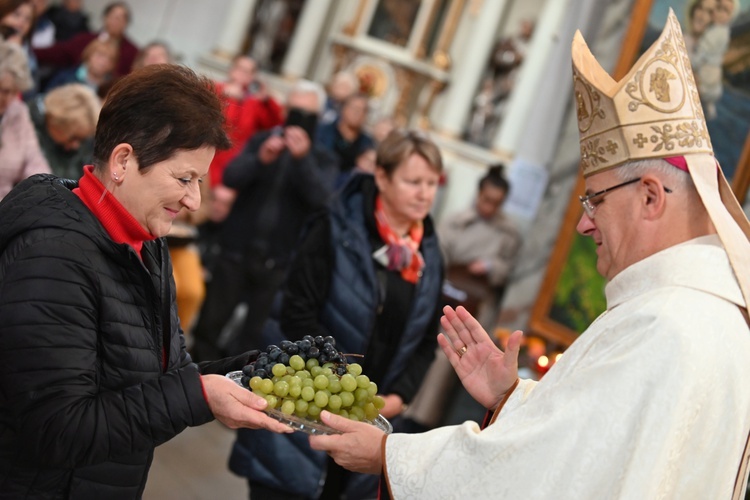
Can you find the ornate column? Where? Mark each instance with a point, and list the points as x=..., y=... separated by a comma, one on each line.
x=306, y=35
x=467, y=72
x=236, y=25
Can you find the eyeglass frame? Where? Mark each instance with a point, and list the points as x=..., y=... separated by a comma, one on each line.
x=590, y=209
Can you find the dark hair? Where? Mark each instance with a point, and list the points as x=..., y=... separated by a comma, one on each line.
x=496, y=176
x=8, y=6
x=160, y=110
x=400, y=144
x=110, y=7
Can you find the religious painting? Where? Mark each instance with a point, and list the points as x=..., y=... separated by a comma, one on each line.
x=393, y=21
x=572, y=293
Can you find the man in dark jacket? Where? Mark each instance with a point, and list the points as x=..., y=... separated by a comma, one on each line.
x=281, y=178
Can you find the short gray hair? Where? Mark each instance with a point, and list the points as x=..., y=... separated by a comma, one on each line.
x=309, y=87
x=14, y=63
x=676, y=177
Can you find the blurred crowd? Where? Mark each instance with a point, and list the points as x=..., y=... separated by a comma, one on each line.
x=249, y=259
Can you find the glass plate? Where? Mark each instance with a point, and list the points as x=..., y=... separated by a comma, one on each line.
x=306, y=425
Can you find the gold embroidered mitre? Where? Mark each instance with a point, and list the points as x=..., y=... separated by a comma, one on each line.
x=653, y=112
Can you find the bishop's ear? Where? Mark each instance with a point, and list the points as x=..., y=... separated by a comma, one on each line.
x=654, y=194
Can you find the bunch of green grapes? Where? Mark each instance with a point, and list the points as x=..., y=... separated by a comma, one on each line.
x=300, y=385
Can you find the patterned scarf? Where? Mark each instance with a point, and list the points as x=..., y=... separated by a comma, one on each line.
x=401, y=253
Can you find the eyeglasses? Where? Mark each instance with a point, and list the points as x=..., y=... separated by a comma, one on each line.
x=590, y=208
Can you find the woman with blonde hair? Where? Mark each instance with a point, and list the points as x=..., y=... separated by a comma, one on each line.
x=20, y=155
x=369, y=273
x=65, y=122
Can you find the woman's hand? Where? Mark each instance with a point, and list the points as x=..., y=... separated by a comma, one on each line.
x=237, y=407
x=356, y=449
x=485, y=371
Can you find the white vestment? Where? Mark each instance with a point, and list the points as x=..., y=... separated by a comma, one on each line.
x=651, y=402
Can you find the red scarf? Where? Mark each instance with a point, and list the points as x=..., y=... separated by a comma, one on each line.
x=402, y=251
x=117, y=221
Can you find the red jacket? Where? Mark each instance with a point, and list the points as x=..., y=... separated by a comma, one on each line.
x=243, y=119
x=67, y=54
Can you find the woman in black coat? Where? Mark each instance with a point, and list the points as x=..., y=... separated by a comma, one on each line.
x=93, y=368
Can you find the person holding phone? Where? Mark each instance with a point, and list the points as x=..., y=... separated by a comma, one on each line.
x=280, y=177
x=248, y=108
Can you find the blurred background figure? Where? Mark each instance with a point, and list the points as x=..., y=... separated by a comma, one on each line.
x=248, y=108
x=381, y=128
x=220, y=201
x=43, y=34
x=366, y=160
x=345, y=137
x=182, y=242
x=17, y=18
x=368, y=272
x=365, y=163
x=68, y=18
x=342, y=85
x=482, y=243
x=480, y=246
x=65, y=122
x=156, y=52
x=69, y=53
x=20, y=155
x=281, y=177
x=98, y=63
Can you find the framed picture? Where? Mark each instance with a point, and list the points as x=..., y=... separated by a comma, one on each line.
x=393, y=21
x=572, y=293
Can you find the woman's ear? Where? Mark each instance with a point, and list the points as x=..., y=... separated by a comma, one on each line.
x=120, y=160
x=381, y=177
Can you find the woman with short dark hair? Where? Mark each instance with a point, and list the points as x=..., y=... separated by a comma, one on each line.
x=93, y=368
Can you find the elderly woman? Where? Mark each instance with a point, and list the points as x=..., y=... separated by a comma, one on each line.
x=20, y=155
x=369, y=273
x=65, y=121
x=93, y=368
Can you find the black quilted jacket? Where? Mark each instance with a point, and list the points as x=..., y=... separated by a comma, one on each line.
x=84, y=329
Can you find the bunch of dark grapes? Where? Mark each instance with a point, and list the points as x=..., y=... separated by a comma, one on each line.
x=310, y=375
